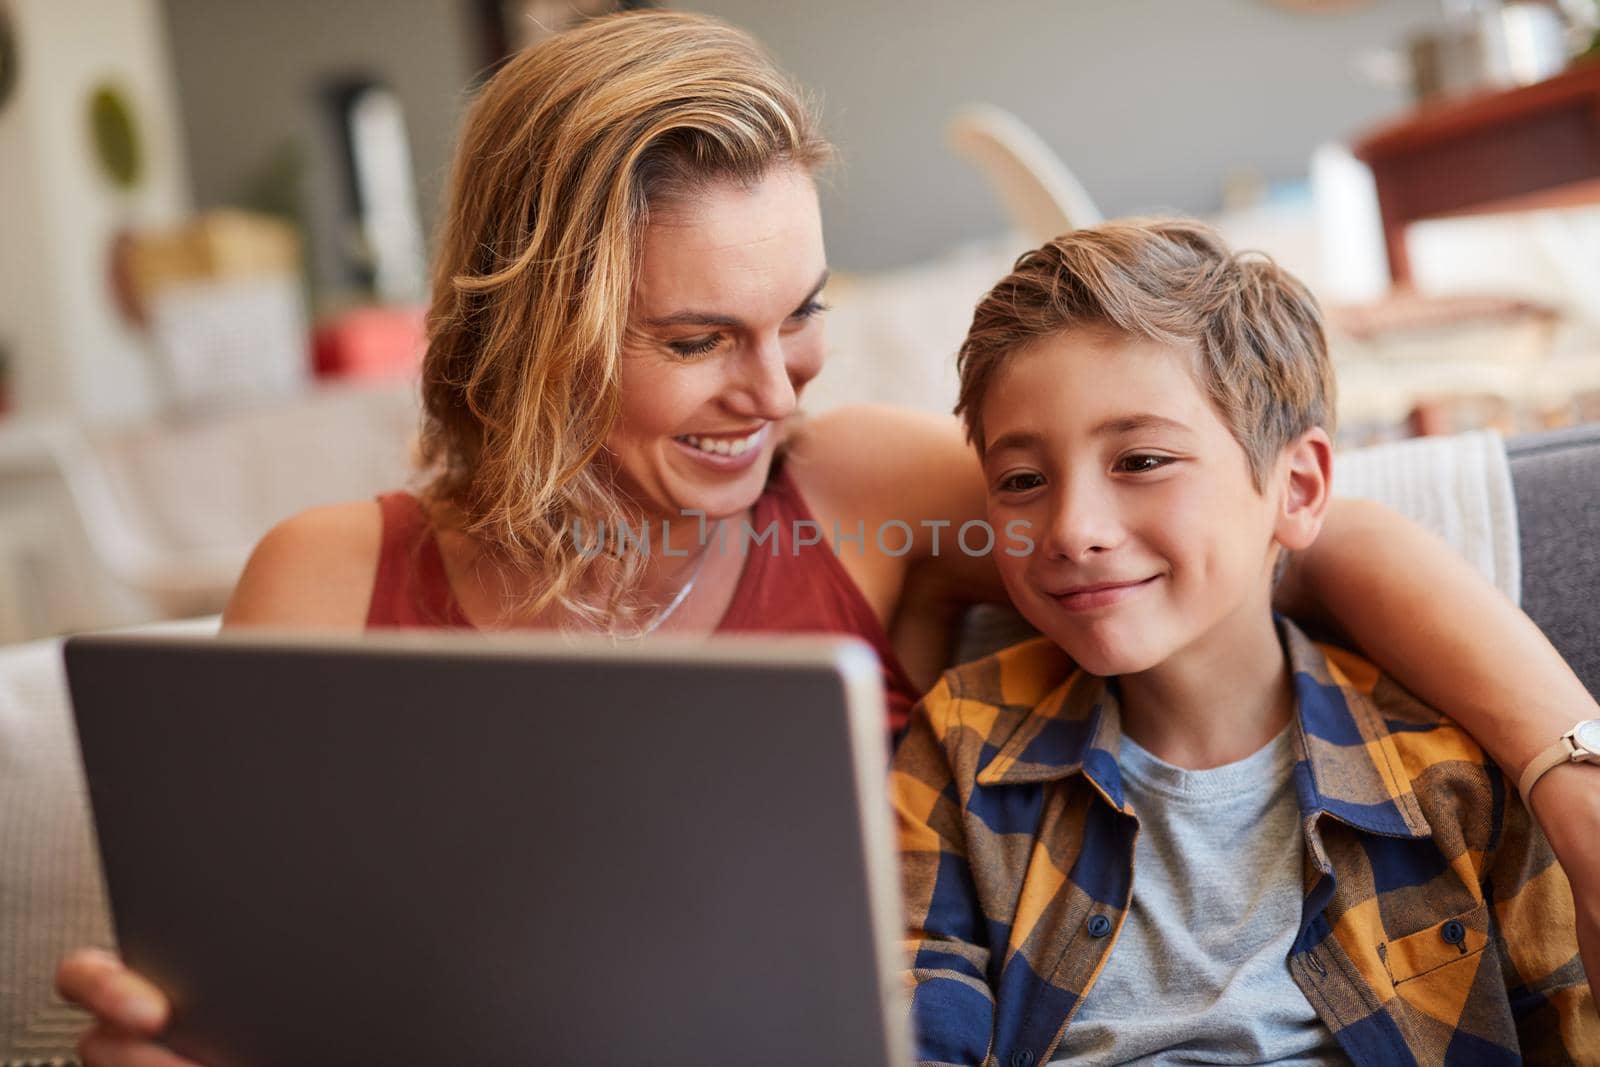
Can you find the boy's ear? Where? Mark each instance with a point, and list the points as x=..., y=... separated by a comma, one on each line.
x=1307, y=473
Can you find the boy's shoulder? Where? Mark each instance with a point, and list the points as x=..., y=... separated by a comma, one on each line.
x=1404, y=717
x=1427, y=753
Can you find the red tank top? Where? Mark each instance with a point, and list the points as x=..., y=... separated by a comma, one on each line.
x=785, y=587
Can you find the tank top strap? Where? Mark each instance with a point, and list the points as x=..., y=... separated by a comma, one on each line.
x=411, y=587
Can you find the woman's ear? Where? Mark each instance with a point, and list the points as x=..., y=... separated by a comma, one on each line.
x=1307, y=473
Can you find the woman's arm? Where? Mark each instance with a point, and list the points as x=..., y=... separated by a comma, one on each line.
x=312, y=571
x=1425, y=616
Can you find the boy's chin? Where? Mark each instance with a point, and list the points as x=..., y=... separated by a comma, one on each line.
x=1108, y=659
x=1103, y=647
x=1114, y=666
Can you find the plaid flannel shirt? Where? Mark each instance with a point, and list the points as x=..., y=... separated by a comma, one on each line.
x=1436, y=928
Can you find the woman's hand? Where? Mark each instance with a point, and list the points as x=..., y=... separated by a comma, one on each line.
x=129, y=1012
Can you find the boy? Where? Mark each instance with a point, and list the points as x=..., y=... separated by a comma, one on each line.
x=1173, y=829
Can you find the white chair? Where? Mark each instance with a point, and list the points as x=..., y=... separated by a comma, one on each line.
x=1041, y=195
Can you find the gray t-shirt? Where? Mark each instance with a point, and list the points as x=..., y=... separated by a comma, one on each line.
x=1199, y=973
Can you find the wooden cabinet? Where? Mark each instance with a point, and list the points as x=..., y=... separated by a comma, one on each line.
x=1537, y=146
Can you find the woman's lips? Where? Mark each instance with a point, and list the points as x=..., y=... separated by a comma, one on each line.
x=724, y=452
x=1103, y=594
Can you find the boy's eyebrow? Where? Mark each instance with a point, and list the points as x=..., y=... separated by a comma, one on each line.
x=1020, y=439
x=1121, y=424
x=1117, y=424
x=727, y=322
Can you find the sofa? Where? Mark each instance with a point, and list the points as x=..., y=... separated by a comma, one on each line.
x=1556, y=479
x=50, y=892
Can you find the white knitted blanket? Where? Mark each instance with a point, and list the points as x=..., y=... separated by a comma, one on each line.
x=1459, y=487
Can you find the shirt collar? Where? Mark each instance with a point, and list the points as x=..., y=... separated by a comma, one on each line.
x=1075, y=729
x=1347, y=766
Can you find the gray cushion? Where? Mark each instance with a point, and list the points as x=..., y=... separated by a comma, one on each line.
x=1556, y=479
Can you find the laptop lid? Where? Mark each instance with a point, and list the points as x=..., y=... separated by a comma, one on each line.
x=433, y=848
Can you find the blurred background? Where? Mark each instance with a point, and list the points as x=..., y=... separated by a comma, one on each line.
x=215, y=219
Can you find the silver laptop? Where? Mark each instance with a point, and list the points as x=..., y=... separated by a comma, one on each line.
x=434, y=849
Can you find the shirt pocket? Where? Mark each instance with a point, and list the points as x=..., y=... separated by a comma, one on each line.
x=1434, y=969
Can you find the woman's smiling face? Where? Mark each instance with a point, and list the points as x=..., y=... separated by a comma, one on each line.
x=723, y=335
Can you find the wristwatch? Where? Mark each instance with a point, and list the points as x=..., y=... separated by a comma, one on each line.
x=1581, y=744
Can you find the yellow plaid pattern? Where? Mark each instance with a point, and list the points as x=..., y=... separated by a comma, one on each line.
x=1436, y=929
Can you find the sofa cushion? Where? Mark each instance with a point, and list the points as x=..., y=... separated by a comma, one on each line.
x=1556, y=478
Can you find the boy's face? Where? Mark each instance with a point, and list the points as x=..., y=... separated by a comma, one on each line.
x=1150, y=538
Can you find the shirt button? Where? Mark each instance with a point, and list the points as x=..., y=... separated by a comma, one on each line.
x=1453, y=932
x=1099, y=926
x=1023, y=1057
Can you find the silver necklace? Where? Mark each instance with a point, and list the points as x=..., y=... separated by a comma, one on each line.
x=683, y=592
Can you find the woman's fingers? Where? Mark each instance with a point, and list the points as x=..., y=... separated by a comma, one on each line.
x=128, y=1010
x=97, y=981
x=104, y=1046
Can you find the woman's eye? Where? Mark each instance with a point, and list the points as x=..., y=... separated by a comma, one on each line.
x=1142, y=463
x=1019, y=483
x=695, y=346
x=810, y=309
x=801, y=316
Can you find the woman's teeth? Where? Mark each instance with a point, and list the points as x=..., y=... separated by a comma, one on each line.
x=723, y=446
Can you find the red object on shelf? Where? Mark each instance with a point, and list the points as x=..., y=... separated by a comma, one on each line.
x=370, y=342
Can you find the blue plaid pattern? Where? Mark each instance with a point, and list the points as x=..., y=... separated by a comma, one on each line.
x=1437, y=927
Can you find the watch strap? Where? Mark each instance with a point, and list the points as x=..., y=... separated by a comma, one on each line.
x=1556, y=754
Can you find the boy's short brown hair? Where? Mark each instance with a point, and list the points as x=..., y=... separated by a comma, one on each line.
x=1255, y=330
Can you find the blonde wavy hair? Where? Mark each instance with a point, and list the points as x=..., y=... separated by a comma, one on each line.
x=561, y=158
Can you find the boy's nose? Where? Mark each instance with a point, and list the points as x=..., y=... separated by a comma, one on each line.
x=1083, y=523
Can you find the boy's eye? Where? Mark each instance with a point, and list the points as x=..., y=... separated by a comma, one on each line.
x=1142, y=463
x=1019, y=483
x=695, y=346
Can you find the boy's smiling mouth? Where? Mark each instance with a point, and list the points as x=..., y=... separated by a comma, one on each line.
x=1099, y=594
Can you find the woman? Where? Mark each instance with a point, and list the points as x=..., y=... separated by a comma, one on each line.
x=626, y=310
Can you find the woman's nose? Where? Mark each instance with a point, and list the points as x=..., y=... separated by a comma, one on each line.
x=765, y=389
